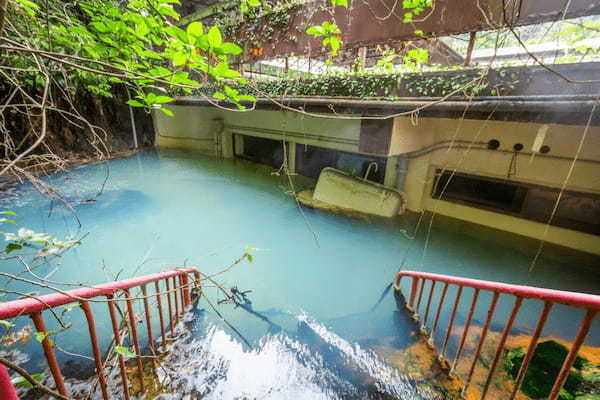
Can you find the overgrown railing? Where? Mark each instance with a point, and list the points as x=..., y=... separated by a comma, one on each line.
x=175, y=285
x=422, y=289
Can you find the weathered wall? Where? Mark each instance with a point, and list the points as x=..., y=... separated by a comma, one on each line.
x=210, y=129
x=417, y=148
x=425, y=157
x=297, y=128
x=192, y=128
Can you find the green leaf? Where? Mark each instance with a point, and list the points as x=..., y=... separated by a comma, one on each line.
x=150, y=98
x=231, y=48
x=8, y=213
x=195, y=29
x=142, y=29
x=245, y=97
x=21, y=382
x=222, y=70
x=315, y=30
x=29, y=6
x=214, y=37
x=6, y=324
x=134, y=103
x=162, y=99
x=179, y=59
x=177, y=33
x=100, y=27
x=343, y=3
x=70, y=307
x=41, y=336
x=167, y=111
x=124, y=351
x=168, y=11
x=12, y=247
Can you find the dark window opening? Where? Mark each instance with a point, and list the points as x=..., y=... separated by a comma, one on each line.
x=576, y=210
x=263, y=151
x=310, y=160
x=479, y=191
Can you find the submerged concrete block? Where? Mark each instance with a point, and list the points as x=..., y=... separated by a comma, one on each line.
x=340, y=189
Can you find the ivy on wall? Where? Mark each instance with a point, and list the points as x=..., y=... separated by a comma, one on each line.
x=476, y=82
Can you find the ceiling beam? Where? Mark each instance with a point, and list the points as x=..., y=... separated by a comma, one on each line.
x=373, y=22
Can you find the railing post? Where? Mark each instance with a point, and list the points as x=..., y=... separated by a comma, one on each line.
x=160, y=313
x=169, y=304
x=431, y=341
x=117, y=335
x=579, y=339
x=38, y=321
x=7, y=390
x=532, y=345
x=176, y=298
x=424, y=325
x=413, y=293
x=450, y=327
x=134, y=337
x=186, y=290
x=149, y=327
x=484, y=332
x=466, y=330
x=85, y=306
x=418, y=307
x=500, y=349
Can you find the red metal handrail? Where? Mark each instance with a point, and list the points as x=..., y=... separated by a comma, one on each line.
x=176, y=292
x=590, y=303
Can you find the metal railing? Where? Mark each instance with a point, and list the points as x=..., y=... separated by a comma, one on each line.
x=418, y=292
x=175, y=285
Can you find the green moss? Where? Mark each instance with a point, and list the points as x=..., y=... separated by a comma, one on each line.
x=543, y=370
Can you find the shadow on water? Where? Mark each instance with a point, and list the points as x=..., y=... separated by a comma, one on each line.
x=111, y=206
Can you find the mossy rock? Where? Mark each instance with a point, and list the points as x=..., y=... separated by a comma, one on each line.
x=543, y=370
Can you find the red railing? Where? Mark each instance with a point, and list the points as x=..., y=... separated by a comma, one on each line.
x=177, y=289
x=419, y=281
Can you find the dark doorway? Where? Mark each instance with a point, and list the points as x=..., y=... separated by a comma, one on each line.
x=260, y=150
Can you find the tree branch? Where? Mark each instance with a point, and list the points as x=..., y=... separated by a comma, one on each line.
x=32, y=380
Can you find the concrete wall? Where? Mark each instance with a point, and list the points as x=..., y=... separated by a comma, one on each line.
x=426, y=145
x=194, y=128
x=213, y=131
x=417, y=148
x=296, y=128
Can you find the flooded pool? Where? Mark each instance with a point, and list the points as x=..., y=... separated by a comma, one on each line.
x=311, y=325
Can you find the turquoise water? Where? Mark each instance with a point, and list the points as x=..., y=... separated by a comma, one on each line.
x=315, y=276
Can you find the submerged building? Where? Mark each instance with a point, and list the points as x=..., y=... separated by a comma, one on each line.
x=497, y=161
x=513, y=148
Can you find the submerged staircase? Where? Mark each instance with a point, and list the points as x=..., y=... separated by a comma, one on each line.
x=314, y=354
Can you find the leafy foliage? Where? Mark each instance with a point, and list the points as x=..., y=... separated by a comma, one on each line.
x=330, y=33
x=125, y=352
x=44, y=243
x=19, y=381
x=414, y=8
x=135, y=43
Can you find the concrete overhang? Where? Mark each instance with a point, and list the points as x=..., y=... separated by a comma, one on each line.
x=369, y=23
